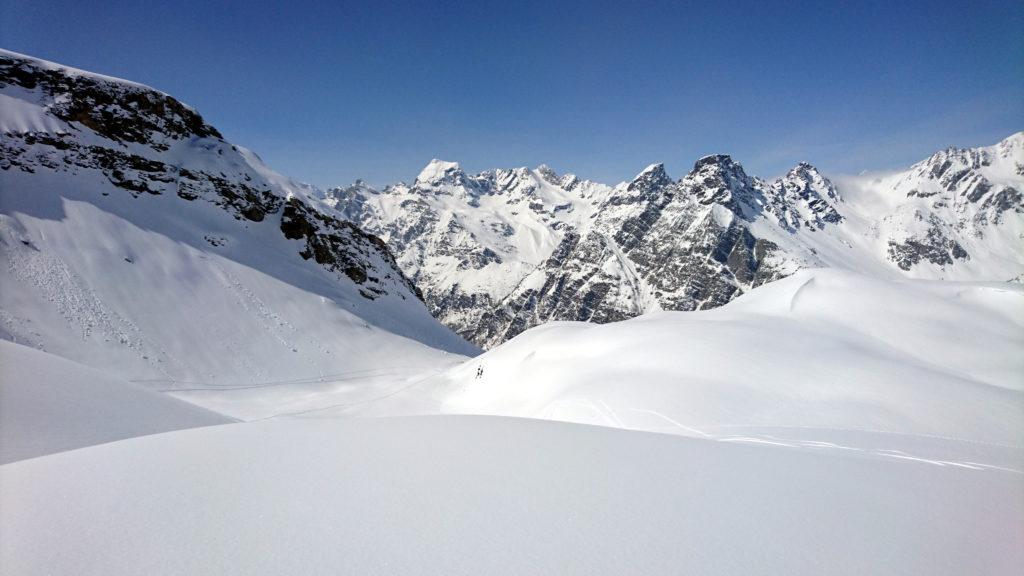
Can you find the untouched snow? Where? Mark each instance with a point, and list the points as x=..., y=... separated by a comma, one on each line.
x=484, y=495
x=823, y=349
x=49, y=404
x=899, y=369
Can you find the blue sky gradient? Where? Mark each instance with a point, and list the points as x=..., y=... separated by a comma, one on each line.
x=331, y=92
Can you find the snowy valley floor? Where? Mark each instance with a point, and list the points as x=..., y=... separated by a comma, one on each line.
x=491, y=495
x=826, y=423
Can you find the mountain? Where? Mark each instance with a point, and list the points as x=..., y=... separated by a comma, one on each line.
x=468, y=241
x=502, y=251
x=135, y=239
x=837, y=409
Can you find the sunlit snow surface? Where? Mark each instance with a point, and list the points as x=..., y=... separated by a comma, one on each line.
x=49, y=404
x=486, y=495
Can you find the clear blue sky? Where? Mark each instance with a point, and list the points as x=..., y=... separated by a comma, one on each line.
x=328, y=92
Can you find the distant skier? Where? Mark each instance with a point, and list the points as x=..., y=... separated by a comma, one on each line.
x=479, y=372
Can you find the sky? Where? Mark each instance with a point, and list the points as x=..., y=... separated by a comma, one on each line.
x=333, y=91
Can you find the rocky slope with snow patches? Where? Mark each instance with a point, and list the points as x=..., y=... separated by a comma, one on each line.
x=506, y=250
x=470, y=240
x=133, y=237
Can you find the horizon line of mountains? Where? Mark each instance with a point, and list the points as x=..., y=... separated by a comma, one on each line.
x=501, y=251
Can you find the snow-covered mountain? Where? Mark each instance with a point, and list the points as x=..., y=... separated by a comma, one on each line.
x=134, y=238
x=502, y=251
x=848, y=419
x=472, y=239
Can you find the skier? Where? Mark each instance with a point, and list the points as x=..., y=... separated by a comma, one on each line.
x=479, y=372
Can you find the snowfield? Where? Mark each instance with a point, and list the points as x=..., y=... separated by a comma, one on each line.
x=49, y=404
x=823, y=348
x=486, y=495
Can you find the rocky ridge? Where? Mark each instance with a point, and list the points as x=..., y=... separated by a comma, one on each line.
x=611, y=253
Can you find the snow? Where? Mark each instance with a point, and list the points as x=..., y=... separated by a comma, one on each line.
x=821, y=350
x=22, y=114
x=69, y=71
x=844, y=421
x=49, y=404
x=926, y=369
x=436, y=170
x=485, y=495
x=953, y=216
x=516, y=213
x=133, y=286
x=182, y=294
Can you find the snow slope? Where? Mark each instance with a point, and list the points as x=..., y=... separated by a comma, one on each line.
x=818, y=352
x=485, y=495
x=134, y=239
x=903, y=369
x=49, y=404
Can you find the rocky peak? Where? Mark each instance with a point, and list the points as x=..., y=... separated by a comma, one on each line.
x=718, y=179
x=651, y=178
x=569, y=182
x=952, y=162
x=440, y=172
x=808, y=181
x=719, y=170
x=115, y=109
x=515, y=181
x=650, y=185
x=549, y=175
x=349, y=200
x=803, y=198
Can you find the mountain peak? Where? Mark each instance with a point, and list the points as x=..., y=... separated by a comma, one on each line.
x=804, y=171
x=650, y=178
x=1012, y=144
x=438, y=171
x=548, y=174
x=129, y=112
x=720, y=160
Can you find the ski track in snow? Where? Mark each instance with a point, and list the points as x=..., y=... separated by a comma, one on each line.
x=612, y=419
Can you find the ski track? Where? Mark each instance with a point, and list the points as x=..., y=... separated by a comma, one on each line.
x=611, y=418
x=343, y=405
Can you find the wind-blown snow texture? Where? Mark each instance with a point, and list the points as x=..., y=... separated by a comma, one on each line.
x=134, y=239
x=506, y=250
